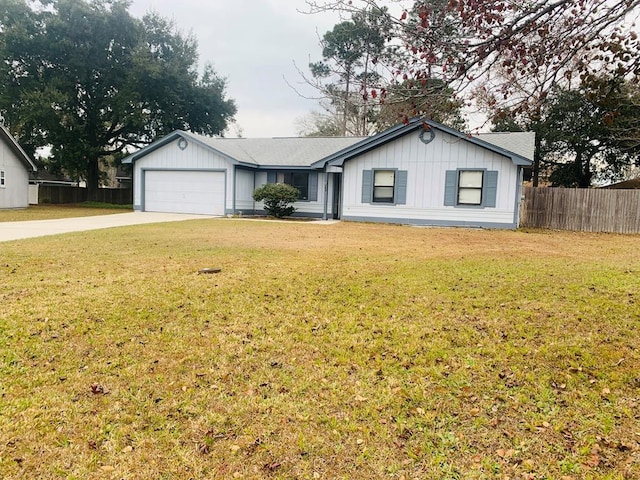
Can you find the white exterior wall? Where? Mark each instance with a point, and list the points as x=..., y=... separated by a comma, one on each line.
x=170, y=157
x=244, y=190
x=426, y=165
x=15, y=192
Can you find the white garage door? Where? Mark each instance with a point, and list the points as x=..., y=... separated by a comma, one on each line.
x=184, y=192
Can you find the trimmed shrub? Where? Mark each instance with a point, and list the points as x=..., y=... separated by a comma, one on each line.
x=277, y=198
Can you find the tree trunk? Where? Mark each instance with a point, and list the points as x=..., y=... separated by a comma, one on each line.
x=93, y=179
x=363, y=127
x=585, y=178
x=535, y=167
x=346, y=104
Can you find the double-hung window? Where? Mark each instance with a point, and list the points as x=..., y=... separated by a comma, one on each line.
x=383, y=186
x=470, y=187
x=2, y=179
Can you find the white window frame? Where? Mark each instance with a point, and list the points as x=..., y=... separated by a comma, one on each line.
x=376, y=186
x=470, y=188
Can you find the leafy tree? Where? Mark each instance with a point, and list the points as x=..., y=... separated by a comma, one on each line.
x=582, y=142
x=277, y=198
x=347, y=72
x=365, y=102
x=585, y=134
x=538, y=43
x=90, y=81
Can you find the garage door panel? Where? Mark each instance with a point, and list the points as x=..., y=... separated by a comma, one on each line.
x=175, y=191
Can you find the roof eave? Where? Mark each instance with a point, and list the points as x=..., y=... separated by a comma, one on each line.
x=152, y=147
x=289, y=167
x=28, y=163
x=174, y=136
x=338, y=158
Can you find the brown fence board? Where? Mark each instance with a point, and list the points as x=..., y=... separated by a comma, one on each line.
x=587, y=210
x=58, y=194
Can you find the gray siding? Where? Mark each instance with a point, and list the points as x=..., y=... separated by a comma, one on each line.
x=15, y=192
x=426, y=166
x=194, y=157
x=244, y=189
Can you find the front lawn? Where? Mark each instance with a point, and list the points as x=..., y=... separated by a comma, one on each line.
x=50, y=212
x=319, y=351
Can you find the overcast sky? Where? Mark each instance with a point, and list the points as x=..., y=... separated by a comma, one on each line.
x=254, y=44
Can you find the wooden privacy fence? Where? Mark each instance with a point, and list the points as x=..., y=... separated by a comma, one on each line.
x=581, y=209
x=64, y=194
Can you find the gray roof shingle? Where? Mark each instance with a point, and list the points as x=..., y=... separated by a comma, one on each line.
x=279, y=152
x=521, y=143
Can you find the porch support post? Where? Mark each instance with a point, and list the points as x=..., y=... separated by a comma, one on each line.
x=233, y=189
x=326, y=194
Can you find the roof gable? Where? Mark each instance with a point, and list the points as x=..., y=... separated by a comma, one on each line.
x=497, y=144
x=17, y=149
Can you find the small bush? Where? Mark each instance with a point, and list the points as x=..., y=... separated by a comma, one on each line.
x=277, y=198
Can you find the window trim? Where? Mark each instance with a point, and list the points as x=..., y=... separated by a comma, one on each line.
x=490, y=187
x=481, y=188
x=400, y=186
x=394, y=186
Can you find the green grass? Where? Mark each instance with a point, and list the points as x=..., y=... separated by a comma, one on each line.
x=108, y=206
x=50, y=212
x=342, y=351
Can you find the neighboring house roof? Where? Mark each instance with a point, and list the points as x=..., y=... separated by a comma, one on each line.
x=524, y=142
x=45, y=176
x=17, y=149
x=628, y=184
x=316, y=152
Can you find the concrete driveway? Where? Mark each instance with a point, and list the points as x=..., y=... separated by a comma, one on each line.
x=41, y=228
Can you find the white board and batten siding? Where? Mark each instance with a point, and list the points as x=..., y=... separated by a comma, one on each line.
x=426, y=167
x=14, y=180
x=245, y=185
x=189, y=180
